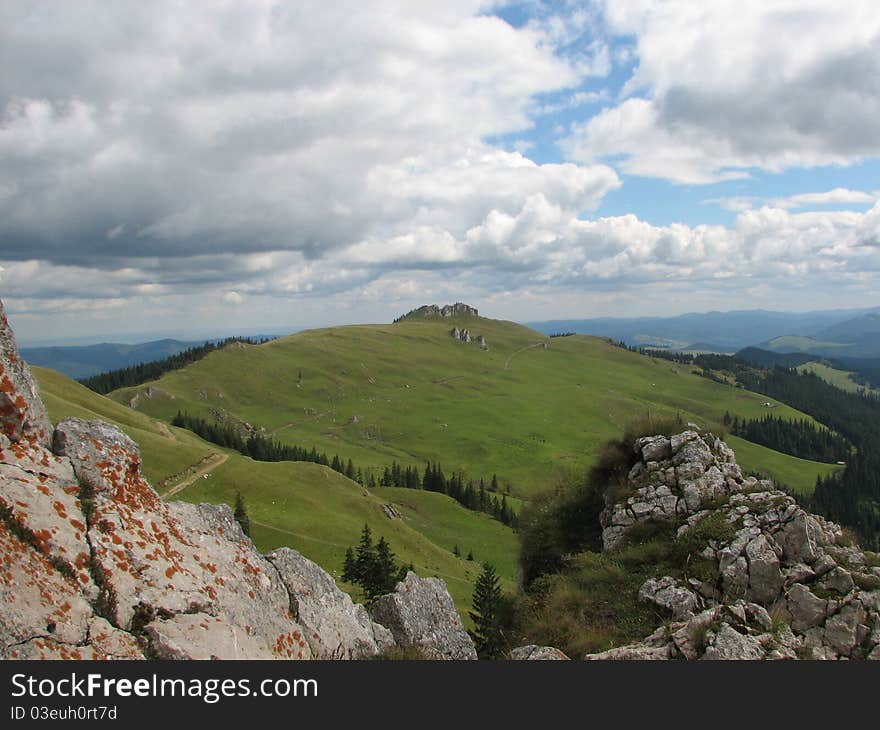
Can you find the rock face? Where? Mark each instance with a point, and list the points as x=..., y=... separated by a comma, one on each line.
x=420, y=614
x=771, y=558
x=97, y=566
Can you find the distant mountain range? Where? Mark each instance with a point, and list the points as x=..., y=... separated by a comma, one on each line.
x=86, y=360
x=836, y=333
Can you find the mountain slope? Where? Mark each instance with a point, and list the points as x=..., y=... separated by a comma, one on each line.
x=526, y=409
x=305, y=506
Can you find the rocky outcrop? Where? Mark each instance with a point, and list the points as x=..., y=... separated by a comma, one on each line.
x=420, y=614
x=785, y=584
x=97, y=566
x=458, y=309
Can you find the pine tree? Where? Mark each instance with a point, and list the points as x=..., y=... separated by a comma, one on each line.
x=349, y=568
x=456, y=552
x=384, y=573
x=241, y=515
x=488, y=634
x=364, y=556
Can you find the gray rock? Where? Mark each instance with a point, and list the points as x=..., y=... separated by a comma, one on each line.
x=765, y=578
x=200, y=636
x=334, y=626
x=102, y=455
x=665, y=592
x=420, y=613
x=806, y=609
x=23, y=416
x=655, y=448
x=837, y=580
x=727, y=643
x=800, y=539
x=841, y=629
x=633, y=652
x=533, y=652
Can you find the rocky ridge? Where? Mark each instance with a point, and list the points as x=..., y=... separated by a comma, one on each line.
x=97, y=566
x=769, y=580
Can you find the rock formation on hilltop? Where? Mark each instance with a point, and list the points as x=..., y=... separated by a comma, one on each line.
x=459, y=309
x=776, y=581
x=97, y=566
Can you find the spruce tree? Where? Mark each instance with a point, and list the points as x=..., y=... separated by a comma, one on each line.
x=349, y=568
x=241, y=515
x=384, y=573
x=488, y=634
x=365, y=556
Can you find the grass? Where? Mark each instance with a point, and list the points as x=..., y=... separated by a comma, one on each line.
x=301, y=505
x=799, y=475
x=839, y=378
x=320, y=513
x=408, y=392
x=445, y=523
x=165, y=451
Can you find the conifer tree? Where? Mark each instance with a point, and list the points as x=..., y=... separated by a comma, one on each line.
x=488, y=634
x=349, y=568
x=241, y=515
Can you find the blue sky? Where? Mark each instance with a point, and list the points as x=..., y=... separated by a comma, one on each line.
x=267, y=166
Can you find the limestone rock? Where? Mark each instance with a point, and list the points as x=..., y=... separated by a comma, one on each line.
x=533, y=652
x=633, y=652
x=23, y=416
x=727, y=643
x=420, y=613
x=765, y=578
x=665, y=592
x=200, y=636
x=334, y=626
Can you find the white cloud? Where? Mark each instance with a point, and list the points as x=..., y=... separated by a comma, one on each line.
x=712, y=94
x=831, y=197
x=232, y=297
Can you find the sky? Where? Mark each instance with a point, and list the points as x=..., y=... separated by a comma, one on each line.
x=184, y=168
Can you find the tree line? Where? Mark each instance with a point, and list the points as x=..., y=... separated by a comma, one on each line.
x=476, y=497
x=104, y=383
x=799, y=438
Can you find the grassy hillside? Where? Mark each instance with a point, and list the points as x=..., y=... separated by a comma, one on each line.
x=524, y=409
x=840, y=378
x=166, y=451
x=304, y=506
x=796, y=474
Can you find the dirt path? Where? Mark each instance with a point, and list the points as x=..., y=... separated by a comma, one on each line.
x=522, y=349
x=206, y=466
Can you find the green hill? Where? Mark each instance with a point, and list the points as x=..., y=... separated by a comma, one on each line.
x=305, y=506
x=524, y=409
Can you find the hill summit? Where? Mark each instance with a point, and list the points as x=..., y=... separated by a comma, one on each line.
x=459, y=309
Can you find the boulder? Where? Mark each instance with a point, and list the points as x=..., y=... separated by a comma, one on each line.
x=666, y=593
x=533, y=652
x=334, y=626
x=727, y=643
x=420, y=614
x=765, y=578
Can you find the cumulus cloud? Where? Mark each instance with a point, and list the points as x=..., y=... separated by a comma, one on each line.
x=734, y=84
x=214, y=158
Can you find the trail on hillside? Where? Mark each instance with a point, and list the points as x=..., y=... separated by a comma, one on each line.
x=522, y=349
x=205, y=466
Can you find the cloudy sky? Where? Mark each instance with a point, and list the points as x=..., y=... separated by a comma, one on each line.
x=218, y=167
